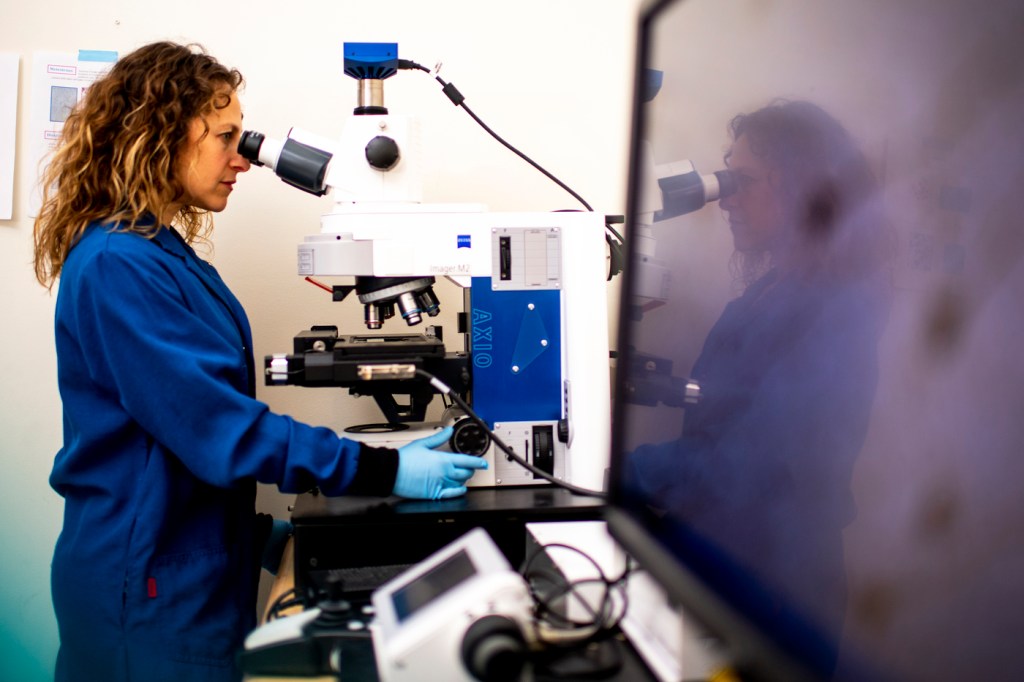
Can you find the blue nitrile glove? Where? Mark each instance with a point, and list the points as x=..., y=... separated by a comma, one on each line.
x=427, y=474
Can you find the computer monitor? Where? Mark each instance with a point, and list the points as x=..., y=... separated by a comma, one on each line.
x=818, y=430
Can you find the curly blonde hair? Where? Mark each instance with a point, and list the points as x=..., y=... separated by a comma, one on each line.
x=119, y=148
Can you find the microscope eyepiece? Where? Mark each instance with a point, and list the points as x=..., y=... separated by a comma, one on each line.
x=727, y=184
x=249, y=146
x=300, y=165
x=691, y=191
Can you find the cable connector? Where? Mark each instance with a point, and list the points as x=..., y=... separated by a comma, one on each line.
x=458, y=100
x=452, y=93
x=410, y=65
x=442, y=388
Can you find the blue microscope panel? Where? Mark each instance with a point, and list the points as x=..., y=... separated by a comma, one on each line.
x=517, y=353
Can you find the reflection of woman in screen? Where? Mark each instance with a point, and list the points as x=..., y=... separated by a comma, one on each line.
x=788, y=372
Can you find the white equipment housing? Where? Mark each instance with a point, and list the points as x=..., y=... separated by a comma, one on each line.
x=424, y=614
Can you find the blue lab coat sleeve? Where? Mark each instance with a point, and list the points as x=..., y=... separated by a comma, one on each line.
x=177, y=374
x=154, y=574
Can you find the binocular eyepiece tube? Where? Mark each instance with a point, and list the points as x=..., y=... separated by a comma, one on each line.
x=298, y=164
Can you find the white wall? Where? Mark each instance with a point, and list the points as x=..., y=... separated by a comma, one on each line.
x=552, y=76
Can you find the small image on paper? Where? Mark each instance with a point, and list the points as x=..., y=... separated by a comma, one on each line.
x=62, y=100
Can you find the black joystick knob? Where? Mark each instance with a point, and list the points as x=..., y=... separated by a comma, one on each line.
x=335, y=611
x=335, y=588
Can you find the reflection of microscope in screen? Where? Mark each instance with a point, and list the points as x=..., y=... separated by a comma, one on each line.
x=668, y=190
x=651, y=383
x=679, y=189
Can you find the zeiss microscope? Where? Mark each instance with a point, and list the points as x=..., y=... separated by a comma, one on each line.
x=533, y=361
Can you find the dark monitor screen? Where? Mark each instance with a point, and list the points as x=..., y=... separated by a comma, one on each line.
x=818, y=438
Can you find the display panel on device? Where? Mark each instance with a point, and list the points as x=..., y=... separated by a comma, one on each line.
x=817, y=333
x=432, y=584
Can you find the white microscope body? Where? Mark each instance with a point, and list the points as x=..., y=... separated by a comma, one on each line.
x=535, y=357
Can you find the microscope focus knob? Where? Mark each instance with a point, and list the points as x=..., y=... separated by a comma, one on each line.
x=469, y=439
x=382, y=153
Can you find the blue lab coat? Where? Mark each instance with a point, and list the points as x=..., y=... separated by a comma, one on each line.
x=155, y=572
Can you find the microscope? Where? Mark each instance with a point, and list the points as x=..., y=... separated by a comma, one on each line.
x=532, y=360
x=666, y=191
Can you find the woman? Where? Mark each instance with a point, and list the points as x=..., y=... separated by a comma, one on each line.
x=155, y=572
x=788, y=372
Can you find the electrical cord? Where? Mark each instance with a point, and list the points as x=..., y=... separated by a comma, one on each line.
x=549, y=589
x=285, y=600
x=459, y=100
x=444, y=389
x=615, y=241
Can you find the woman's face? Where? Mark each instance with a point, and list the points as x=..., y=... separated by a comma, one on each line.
x=755, y=210
x=211, y=163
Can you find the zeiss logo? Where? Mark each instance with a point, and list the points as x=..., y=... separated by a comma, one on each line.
x=464, y=242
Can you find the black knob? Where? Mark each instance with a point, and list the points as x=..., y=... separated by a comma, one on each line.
x=493, y=650
x=469, y=439
x=563, y=430
x=335, y=587
x=336, y=610
x=382, y=153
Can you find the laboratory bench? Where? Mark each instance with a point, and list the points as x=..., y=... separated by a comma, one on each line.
x=367, y=540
